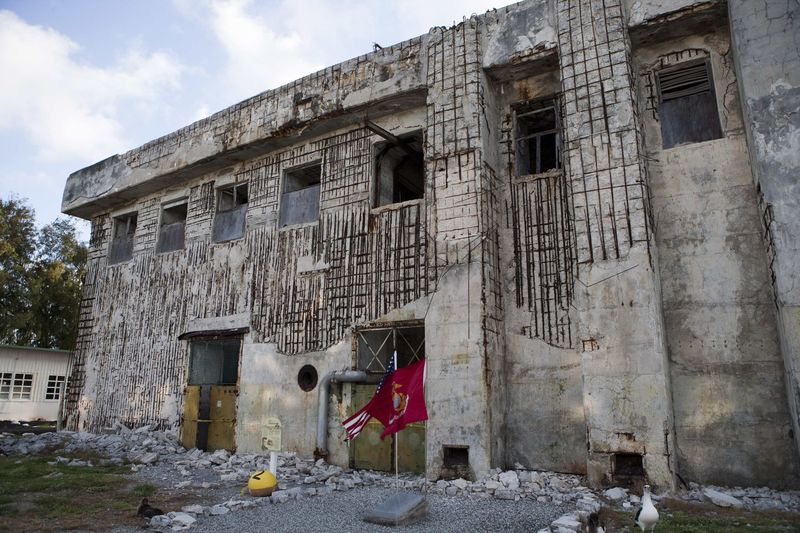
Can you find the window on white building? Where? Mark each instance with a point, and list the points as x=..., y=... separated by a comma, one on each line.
x=5, y=385
x=55, y=387
x=22, y=387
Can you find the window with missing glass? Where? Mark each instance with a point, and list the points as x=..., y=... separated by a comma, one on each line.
x=55, y=387
x=538, y=137
x=172, y=229
x=376, y=345
x=300, y=197
x=687, y=105
x=399, y=170
x=124, y=231
x=231, y=215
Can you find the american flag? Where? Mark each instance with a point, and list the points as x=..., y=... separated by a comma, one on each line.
x=356, y=423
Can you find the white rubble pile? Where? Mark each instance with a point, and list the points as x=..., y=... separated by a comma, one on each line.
x=304, y=477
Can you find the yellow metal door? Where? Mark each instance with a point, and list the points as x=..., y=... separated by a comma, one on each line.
x=191, y=409
x=222, y=417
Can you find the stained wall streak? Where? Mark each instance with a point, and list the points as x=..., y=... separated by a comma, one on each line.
x=545, y=256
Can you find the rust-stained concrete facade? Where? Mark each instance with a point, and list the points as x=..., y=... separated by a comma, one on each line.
x=634, y=304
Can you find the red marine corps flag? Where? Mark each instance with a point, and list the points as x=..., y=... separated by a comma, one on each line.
x=399, y=401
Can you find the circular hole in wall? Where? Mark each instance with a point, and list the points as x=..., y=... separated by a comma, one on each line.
x=307, y=378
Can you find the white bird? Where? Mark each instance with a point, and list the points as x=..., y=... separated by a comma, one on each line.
x=647, y=515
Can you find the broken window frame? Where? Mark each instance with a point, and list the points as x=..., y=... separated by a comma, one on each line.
x=121, y=248
x=528, y=109
x=373, y=361
x=172, y=235
x=381, y=150
x=56, y=385
x=311, y=192
x=202, y=341
x=675, y=131
x=232, y=217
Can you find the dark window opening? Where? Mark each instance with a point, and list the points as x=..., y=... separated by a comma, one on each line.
x=538, y=138
x=230, y=219
x=122, y=242
x=300, y=198
x=400, y=170
x=307, y=378
x=214, y=362
x=687, y=105
x=172, y=233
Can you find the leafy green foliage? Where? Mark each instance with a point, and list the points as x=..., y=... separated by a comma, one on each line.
x=40, y=279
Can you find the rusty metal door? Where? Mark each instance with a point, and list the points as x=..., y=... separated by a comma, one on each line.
x=209, y=407
x=222, y=420
x=373, y=348
x=191, y=411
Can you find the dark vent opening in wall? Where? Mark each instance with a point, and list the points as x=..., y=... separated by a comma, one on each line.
x=307, y=378
x=628, y=470
x=455, y=462
x=456, y=456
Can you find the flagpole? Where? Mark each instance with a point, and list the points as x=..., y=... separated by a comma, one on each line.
x=396, y=441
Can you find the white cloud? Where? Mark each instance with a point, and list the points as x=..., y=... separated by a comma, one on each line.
x=258, y=56
x=267, y=45
x=68, y=109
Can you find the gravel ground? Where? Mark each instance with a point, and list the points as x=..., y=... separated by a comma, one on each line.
x=343, y=511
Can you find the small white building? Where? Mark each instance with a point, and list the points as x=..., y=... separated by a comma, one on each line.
x=32, y=382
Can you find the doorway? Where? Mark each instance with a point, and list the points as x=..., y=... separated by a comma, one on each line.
x=209, y=403
x=373, y=348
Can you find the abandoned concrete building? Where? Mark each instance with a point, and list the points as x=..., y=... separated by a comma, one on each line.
x=584, y=214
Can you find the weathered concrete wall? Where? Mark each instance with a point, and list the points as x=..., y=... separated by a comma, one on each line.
x=134, y=311
x=541, y=296
x=731, y=415
x=625, y=374
x=544, y=425
x=387, y=80
x=766, y=46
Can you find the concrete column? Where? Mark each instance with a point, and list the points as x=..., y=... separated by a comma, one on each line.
x=766, y=46
x=626, y=392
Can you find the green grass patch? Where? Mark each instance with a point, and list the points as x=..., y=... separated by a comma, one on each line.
x=144, y=490
x=684, y=517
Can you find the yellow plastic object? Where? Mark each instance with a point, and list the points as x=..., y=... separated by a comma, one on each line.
x=262, y=483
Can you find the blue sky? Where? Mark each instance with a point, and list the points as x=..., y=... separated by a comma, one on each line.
x=81, y=80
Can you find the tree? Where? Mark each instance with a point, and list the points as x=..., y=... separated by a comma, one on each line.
x=48, y=268
x=17, y=249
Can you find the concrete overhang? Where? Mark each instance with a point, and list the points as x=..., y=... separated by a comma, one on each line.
x=370, y=86
x=663, y=20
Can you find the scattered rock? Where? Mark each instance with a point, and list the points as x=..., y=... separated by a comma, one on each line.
x=616, y=493
x=721, y=499
x=217, y=510
x=509, y=479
